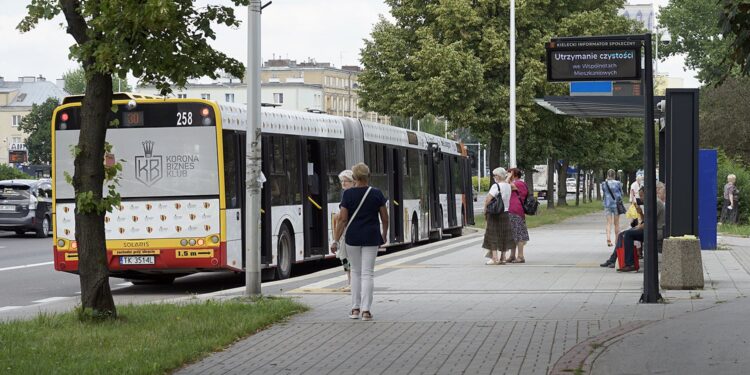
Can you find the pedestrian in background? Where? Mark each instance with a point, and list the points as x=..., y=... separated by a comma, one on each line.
x=347, y=181
x=497, y=236
x=364, y=205
x=612, y=192
x=635, y=187
x=518, y=228
x=731, y=208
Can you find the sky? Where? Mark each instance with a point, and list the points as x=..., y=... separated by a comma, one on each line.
x=323, y=30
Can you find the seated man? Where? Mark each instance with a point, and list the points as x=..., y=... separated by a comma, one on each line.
x=628, y=237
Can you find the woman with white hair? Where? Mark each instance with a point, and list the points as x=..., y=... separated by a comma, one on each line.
x=730, y=208
x=347, y=180
x=498, y=236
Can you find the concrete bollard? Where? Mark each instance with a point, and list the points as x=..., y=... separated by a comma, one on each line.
x=682, y=267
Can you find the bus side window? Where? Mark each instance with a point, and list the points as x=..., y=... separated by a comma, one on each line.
x=231, y=180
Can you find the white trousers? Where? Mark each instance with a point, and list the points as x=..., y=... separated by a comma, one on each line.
x=362, y=261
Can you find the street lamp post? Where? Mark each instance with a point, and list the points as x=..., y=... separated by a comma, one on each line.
x=512, y=134
x=252, y=145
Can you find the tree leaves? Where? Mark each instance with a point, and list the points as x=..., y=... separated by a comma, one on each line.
x=37, y=125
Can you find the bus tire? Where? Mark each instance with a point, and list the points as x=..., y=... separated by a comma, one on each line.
x=284, y=253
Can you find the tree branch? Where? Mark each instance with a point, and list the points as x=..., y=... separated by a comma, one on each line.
x=76, y=23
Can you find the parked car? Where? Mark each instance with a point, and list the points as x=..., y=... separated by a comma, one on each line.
x=26, y=206
x=570, y=184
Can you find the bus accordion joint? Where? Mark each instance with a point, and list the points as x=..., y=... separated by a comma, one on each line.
x=314, y=203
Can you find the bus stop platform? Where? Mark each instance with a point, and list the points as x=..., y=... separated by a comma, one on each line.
x=438, y=309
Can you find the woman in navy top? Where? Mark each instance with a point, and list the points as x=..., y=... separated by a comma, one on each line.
x=364, y=234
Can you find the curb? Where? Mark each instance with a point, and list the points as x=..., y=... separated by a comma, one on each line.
x=583, y=354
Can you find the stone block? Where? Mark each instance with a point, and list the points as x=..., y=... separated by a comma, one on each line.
x=682, y=267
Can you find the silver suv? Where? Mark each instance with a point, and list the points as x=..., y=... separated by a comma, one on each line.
x=26, y=206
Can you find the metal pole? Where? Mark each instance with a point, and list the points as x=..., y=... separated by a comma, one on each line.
x=446, y=128
x=253, y=162
x=651, y=267
x=418, y=128
x=512, y=142
x=479, y=167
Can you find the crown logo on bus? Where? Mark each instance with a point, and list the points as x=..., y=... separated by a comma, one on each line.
x=148, y=148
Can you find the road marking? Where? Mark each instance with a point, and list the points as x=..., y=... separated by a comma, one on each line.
x=26, y=266
x=8, y=308
x=328, y=282
x=51, y=299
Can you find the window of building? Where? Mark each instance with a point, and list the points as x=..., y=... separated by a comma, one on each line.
x=181, y=96
x=206, y=96
x=16, y=120
x=229, y=98
x=278, y=98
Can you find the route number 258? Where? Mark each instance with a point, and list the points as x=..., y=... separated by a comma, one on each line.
x=184, y=118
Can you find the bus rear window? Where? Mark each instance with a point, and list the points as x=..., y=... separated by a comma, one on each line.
x=145, y=115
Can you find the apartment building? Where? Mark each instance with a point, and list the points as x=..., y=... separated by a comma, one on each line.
x=16, y=100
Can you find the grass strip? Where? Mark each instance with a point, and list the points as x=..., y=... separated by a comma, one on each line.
x=145, y=339
x=735, y=230
x=546, y=216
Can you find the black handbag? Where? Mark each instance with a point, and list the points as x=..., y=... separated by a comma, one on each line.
x=496, y=205
x=530, y=205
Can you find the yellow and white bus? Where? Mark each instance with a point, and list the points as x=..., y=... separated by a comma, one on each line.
x=183, y=188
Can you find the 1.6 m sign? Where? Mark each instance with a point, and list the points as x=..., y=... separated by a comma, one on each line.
x=593, y=61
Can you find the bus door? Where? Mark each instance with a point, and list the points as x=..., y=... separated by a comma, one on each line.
x=468, y=191
x=265, y=198
x=434, y=167
x=451, y=172
x=314, y=197
x=396, y=189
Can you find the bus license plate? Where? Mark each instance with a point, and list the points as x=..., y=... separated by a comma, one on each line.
x=129, y=260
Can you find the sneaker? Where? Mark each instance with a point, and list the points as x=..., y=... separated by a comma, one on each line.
x=490, y=262
x=606, y=264
x=611, y=265
x=354, y=314
x=366, y=316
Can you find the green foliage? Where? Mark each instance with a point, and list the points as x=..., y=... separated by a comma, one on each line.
x=485, y=181
x=7, y=172
x=734, y=21
x=695, y=32
x=75, y=82
x=180, y=334
x=546, y=216
x=729, y=165
x=724, y=112
x=37, y=125
x=451, y=59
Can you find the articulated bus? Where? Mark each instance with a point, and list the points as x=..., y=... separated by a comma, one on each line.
x=183, y=187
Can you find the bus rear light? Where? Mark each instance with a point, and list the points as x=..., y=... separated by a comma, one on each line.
x=215, y=239
x=64, y=117
x=201, y=242
x=74, y=245
x=192, y=242
x=205, y=112
x=184, y=242
x=60, y=243
x=206, y=121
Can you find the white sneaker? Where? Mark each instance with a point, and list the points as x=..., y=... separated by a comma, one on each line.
x=354, y=314
x=490, y=262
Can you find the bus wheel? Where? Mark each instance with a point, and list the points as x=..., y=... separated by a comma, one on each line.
x=284, y=253
x=414, y=233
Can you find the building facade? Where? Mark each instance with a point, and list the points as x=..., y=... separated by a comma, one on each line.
x=16, y=100
x=307, y=86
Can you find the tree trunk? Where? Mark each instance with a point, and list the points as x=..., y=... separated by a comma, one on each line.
x=599, y=187
x=96, y=297
x=562, y=187
x=550, y=183
x=496, y=143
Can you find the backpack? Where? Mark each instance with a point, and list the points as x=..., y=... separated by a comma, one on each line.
x=496, y=205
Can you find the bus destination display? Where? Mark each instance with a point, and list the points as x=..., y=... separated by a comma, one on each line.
x=565, y=65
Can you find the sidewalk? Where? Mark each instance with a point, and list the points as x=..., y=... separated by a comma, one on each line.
x=441, y=310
